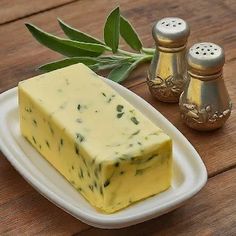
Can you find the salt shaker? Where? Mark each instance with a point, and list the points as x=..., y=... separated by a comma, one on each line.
x=205, y=103
x=167, y=72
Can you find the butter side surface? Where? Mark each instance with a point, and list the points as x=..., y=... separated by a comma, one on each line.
x=110, y=152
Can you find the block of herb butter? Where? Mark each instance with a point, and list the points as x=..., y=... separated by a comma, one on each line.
x=109, y=151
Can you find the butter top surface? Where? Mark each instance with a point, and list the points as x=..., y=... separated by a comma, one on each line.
x=95, y=115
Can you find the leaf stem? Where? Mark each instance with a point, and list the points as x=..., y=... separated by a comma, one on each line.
x=131, y=54
x=148, y=50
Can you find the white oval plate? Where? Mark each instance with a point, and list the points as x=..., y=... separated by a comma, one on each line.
x=189, y=176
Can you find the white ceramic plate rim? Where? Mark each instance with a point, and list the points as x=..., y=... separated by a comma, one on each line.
x=105, y=221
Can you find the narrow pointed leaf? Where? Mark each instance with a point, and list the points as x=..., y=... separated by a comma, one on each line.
x=65, y=47
x=129, y=34
x=121, y=72
x=77, y=35
x=112, y=30
x=67, y=62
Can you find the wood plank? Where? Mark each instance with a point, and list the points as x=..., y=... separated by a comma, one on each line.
x=25, y=210
x=15, y=9
x=22, y=54
x=210, y=213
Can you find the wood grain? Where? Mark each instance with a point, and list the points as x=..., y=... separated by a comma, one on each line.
x=16, y=9
x=212, y=212
x=21, y=55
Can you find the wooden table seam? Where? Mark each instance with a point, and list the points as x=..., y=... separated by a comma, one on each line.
x=38, y=12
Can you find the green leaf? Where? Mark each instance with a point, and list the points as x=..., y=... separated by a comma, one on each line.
x=98, y=63
x=112, y=30
x=89, y=61
x=77, y=35
x=121, y=72
x=66, y=47
x=129, y=34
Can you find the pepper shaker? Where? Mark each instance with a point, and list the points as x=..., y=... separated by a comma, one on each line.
x=205, y=103
x=167, y=73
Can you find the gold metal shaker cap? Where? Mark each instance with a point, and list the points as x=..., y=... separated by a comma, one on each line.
x=205, y=59
x=171, y=32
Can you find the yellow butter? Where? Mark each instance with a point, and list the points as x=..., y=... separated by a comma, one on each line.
x=110, y=152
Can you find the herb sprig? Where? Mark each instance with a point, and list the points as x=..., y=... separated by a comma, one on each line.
x=80, y=47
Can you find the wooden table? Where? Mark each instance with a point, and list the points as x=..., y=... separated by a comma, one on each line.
x=211, y=212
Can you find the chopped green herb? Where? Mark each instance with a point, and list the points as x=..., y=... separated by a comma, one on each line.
x=132, y=111
x=76, y=149
x=151, y=157
x=47, y=143
x=96, y=173
x=78, y=107
x=79, y=189
x=78, y=120
x=73, y=182
x=80, y=137
x=28, y=109
x=117, y=164
x=107, y=182
x=139, y=172
x=35, y=122
x=91, y=187
x=81, y=174
x=104, y=94
x=95, y=184
x=131, y=145
x=134, y=120
x=122, y=172
x=67, y=82
x=83, y=160
x=109, y=100
x=72, y=167
x=155, y=133
x=119, y=108
x=40, y=146
x=139, y=143
x=51, y=129
x=100, y=167
x=34, y=139
x=61, y=142
x=93, y=161
x=88, y=174
x=135, y=133
x=119, y=115
x=101, y=190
